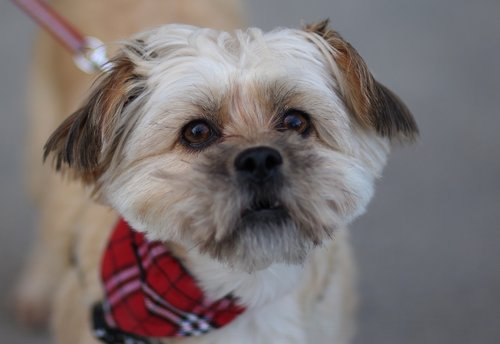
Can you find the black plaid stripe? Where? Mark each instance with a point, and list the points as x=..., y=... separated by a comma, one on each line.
x=110, y=335
x=139, y=321
x=173, y=284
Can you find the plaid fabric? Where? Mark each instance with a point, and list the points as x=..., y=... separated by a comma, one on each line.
x=149, y=293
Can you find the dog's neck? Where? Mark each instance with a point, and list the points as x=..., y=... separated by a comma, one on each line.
x=253, y=289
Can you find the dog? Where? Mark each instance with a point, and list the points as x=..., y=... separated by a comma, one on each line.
x=56, y=89
x=238, y=159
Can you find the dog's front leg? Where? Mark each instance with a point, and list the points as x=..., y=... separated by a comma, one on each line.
x=50, y=257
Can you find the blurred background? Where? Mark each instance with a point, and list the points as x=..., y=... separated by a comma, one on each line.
x=428, y=248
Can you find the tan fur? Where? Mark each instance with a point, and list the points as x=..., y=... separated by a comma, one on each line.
x=56, y=89
x=295, y=274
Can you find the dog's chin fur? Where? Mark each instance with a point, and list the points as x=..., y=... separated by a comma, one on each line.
x=128, y=140
x=257, y=245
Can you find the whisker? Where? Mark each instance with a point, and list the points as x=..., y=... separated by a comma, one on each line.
x=194, y=246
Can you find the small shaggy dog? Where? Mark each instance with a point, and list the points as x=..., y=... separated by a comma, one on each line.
x=235, y=163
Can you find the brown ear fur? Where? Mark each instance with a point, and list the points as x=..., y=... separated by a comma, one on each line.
x=78, y=142
x=372, y=104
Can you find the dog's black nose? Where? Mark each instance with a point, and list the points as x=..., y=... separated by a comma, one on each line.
x=258, y=164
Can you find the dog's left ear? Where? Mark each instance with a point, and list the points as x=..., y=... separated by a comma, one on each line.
x=85, y=143
x=372, y=104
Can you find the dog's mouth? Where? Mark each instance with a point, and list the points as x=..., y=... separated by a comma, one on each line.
x=265, y=210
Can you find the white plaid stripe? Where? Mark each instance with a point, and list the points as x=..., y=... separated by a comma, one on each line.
x=125, y=290
x=133, y=271
x=194, y=325
x=190, y=324
x=165, y=313
x=122, y=276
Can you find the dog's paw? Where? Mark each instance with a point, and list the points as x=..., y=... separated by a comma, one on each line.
x=30, y=303
x=31, y=299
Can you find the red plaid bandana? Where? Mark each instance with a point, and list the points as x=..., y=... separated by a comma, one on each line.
x=149, y=293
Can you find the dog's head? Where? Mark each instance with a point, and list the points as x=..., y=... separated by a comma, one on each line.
x=252, y=147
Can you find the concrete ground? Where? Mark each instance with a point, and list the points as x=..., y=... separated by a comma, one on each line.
x=428, y=248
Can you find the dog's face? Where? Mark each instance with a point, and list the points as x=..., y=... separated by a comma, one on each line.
x=251, y=148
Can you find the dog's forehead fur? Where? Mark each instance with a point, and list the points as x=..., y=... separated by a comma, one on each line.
x=227, y=52
x=242, y=81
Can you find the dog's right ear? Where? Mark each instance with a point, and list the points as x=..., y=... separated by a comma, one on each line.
x=85, y=142
x=372, y=104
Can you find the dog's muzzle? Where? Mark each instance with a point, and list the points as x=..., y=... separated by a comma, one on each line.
x=259, y=171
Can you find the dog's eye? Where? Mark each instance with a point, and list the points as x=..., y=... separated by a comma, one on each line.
x=198, y=134
x=297, y=121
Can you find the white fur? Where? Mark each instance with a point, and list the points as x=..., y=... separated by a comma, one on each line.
x=283, y=304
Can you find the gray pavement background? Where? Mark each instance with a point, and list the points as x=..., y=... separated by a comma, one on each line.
x=428, y=248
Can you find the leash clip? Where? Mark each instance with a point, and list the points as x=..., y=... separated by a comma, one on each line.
x=92, y=57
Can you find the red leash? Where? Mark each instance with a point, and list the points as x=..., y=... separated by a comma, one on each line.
x=89, y=53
